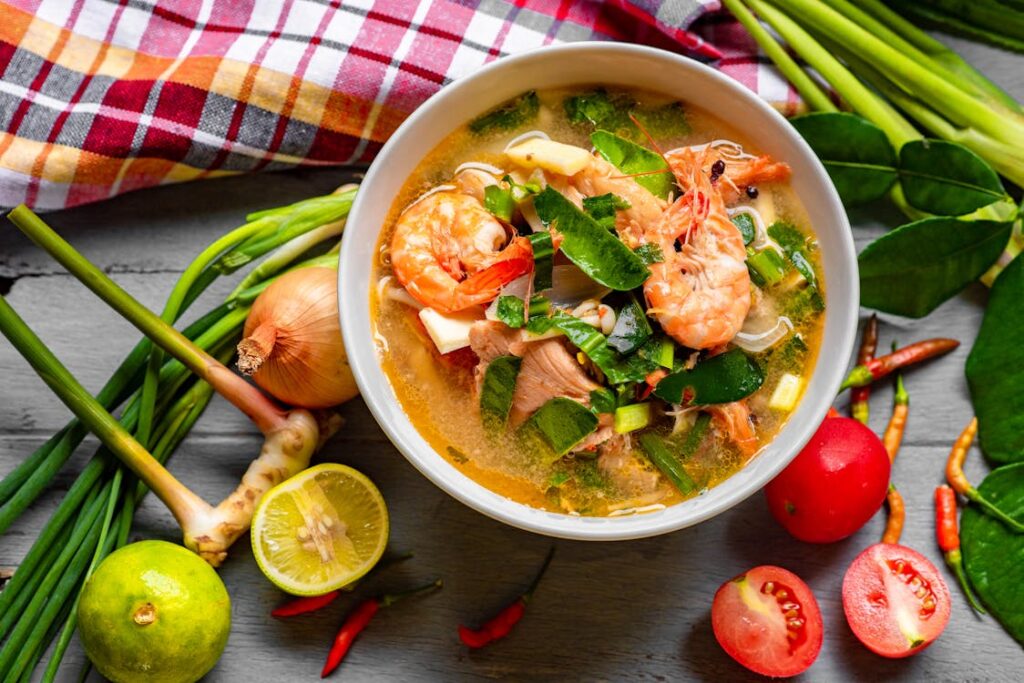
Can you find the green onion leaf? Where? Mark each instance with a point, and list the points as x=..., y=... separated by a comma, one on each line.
x=557, y=426
x=766, y=266
x=597, y=252
x=796, y=245
x=724, y=378
x=498, y=388
x=511, y=311
x=695, y=436
x=666, y=355
x=631, y=328
x=632, y=417
x=508, y=116
x=498, y=200
x=539, y=305
x=657, y=450
x=543, y=259
x=603, y=208
x=744, y=222
x=631, y=158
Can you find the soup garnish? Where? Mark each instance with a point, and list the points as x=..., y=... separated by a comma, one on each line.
x=596, y=301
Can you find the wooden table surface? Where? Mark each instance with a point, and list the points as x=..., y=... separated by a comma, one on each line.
x=635, y=610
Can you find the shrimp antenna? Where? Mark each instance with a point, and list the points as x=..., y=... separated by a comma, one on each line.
x=650, y=138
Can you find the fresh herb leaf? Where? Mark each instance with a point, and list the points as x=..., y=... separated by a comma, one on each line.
x=543, y=259
x=649, y=253
x=631, y=328
x=947, y=179
x=657, y=450
x=724, y=378
x=557, y=426
x=612, y=111
x=597, y=252
x=807, y=302
x=597, y=108
x=856, y=153
x=914, y=268
x=508, y=116
x=558, y=479
x=603, y=401
x=539, y=305
x=521, y=191
x=995, y=368
x=744, y=222
x=511, y=311
x=498, y=200
x=766, y=266
x=603, y=208
x=498, y=388
x=796, y=245
x=631, y=158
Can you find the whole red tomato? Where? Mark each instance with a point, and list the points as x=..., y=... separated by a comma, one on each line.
x=834, y=486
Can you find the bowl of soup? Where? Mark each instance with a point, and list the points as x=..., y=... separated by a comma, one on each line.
x=598, y=291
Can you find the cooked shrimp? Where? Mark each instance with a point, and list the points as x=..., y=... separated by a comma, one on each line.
x=699, y=294
x=450, y=253
x=734, y=420
x=741, y=170
x=600, y=177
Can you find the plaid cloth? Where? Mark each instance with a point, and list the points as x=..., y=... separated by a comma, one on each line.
x=100, y=97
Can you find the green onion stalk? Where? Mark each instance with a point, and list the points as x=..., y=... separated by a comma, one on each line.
x=38, y=603
x=886, y=69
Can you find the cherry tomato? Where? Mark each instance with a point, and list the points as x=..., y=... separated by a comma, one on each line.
x=768, y=620
x=834, y=485
x=895, y=600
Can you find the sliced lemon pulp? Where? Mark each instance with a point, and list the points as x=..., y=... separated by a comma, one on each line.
x=320, y=530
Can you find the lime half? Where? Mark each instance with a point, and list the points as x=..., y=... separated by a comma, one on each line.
x=320, y=530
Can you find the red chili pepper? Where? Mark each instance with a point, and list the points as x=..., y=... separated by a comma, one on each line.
x=359, y=619
x=651, y=381
x=958, y=480
x=501, y=624
x=949, y=540
x=868, y=346
x=876, y=368
x=304, y=605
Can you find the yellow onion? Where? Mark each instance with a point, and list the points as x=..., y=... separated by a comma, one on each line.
x=293, y=347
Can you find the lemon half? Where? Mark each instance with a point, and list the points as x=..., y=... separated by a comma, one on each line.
x=320, y=530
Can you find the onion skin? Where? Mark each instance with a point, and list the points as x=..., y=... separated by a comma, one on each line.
x=292, y=345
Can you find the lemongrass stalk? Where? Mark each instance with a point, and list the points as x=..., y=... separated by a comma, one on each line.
x=247, y=398
x=960, y=26
x=958, y=106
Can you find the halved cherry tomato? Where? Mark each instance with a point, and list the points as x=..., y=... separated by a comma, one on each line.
x=896, y=601
x=834, y=485
x=768, y=620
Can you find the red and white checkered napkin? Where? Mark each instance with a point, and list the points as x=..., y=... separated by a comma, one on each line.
x=99, y=97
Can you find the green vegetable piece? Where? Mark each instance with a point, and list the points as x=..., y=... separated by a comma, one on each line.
x=498, y=388
x=695, y=436
x=603, y=208
x=597, y=252
x=667, y=120
x=724, y=378
x=658, y=452
x=543, y=259
x=632, y=417
x=558, y=479
x=597, y=108
x=559, y=424
x=521, y=191
x=508, y=116
x=766, y=266
x=539, y=305
x=631, y=328
x=994, y=554
x=498, y=200
x=804, y=304
x=631, y=158
x=511, y=311
x=856, y=153
x=947, y=179
x=603, y=400
x=666, y=354
x=745, y=224
x=795, y=244
x=914, y=268
x=995, y=369
x=649, y=253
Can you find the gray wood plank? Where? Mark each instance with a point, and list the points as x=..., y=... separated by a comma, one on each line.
x=624, y=611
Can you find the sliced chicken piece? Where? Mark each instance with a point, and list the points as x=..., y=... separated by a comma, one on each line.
x=625, y=470
x=490, y=339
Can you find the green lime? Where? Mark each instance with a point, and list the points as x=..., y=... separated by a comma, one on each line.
x=154, y=611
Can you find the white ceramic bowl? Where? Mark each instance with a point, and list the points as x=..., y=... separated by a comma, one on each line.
x=613, y=65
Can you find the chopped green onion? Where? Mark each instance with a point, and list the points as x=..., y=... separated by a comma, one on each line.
x=631, y=328
x=543, y=259
x=787, y=393
x=649, y=253
x=745, y=224
x=557, y=426
x=657, y=450
x=666, y=353
x=521, y=191
x=695, y=436
x=539, y=305
x=632, y=417
x=603, y=400
x=766, y=266
x=511, y=311
x=498, y=388
x=794, y=243
x=498, y=200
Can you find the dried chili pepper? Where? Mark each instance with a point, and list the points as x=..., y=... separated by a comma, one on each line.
x=360, y=618
x=893, y=436
x=501, y=624
x=313, y=603
x=948, y=535
x=897, y=516
x=958, y=480
x=876, y=368
x=868, y=345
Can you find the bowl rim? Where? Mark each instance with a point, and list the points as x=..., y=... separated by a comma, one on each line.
x=376, y=389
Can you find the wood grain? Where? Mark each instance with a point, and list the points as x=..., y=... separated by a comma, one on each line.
x=619, y=611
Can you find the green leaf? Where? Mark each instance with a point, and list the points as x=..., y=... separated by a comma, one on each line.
x=631, y=328
x=649, y=253
x=631, y=158
x=724, y=378
x=511, y=310
x=595, y=345
x=657, y=450
x=597, y=252
x=611, y=112
x=947, y=179
x=856, y=153
x=498, y=200
x=603, y=208
x=914, y=268
x=557, y=426
x=497, y=390
x=995, y=369
x=543, y=259
x=602, y=400
x=796, y=245
x=745, y=224
x=993, y=554
x=508, y=116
